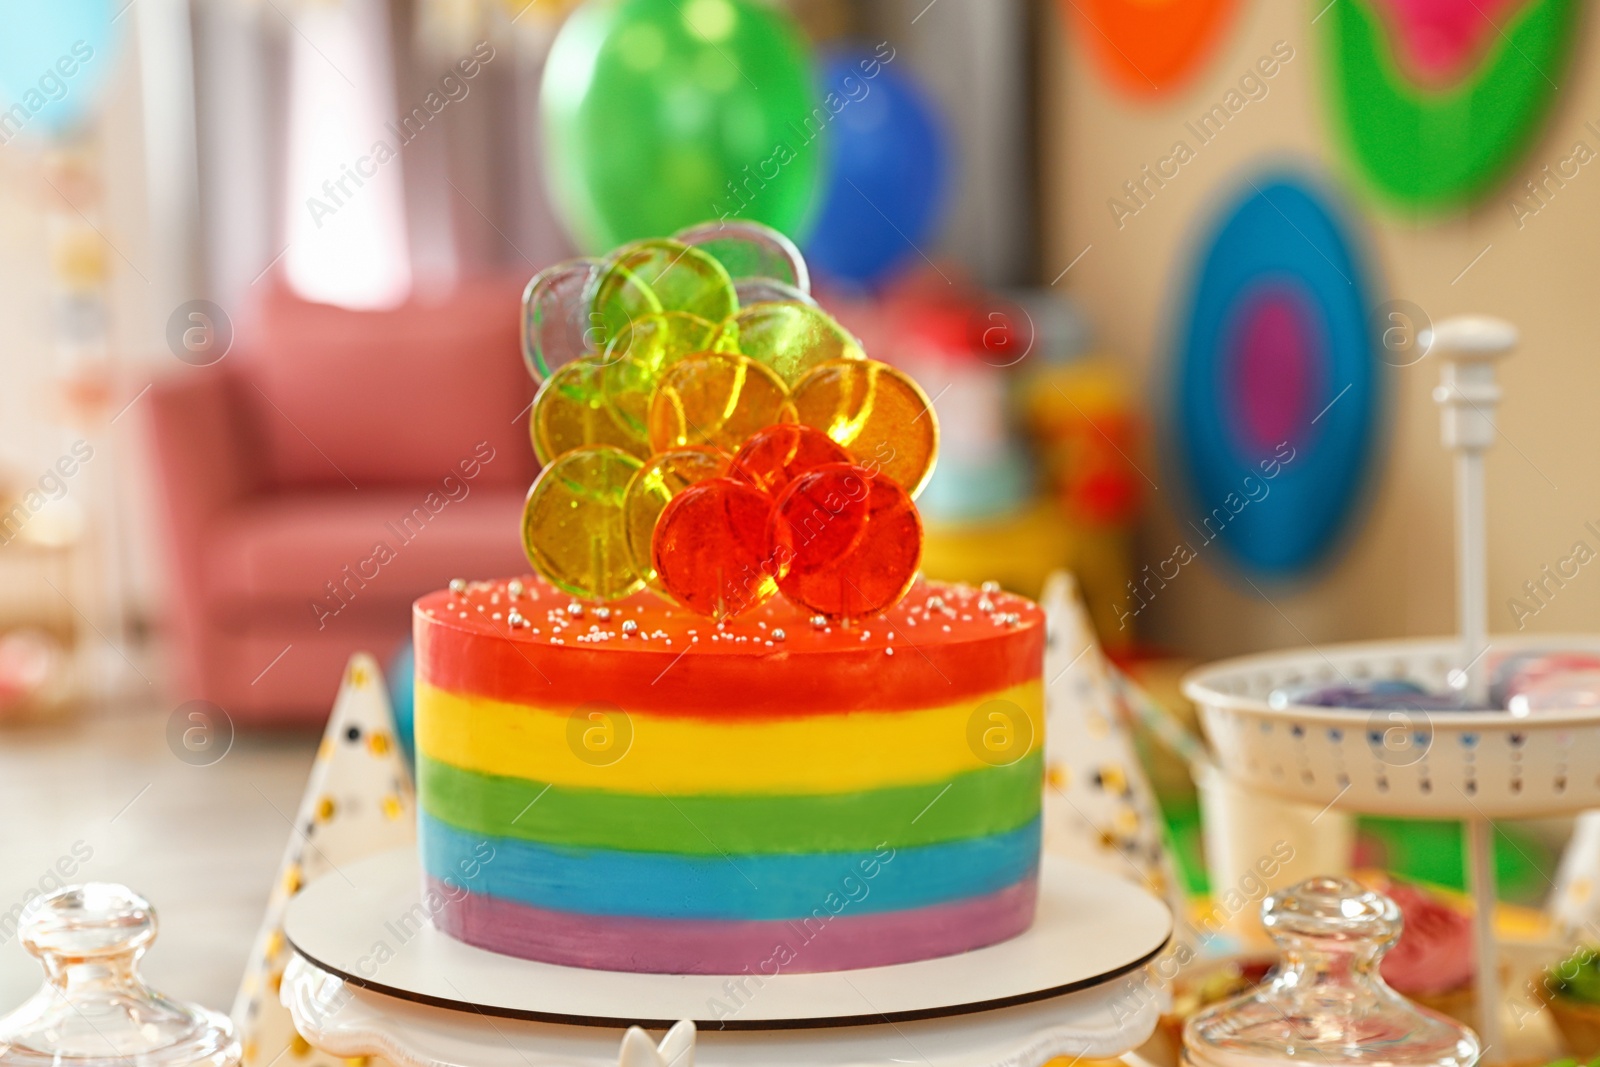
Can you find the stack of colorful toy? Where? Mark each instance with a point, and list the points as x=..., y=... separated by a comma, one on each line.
x=707, y=431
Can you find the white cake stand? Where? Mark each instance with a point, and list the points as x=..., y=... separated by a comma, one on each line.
x=1067, y=987
x=1471, y=766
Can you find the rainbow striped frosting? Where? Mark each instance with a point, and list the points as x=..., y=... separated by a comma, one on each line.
x=637, y=788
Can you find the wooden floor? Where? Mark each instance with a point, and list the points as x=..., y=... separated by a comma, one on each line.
x=107, y=796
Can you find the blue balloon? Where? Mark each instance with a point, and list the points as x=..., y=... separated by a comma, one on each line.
x=403, y=697
x=55, y=55
x=887, y=172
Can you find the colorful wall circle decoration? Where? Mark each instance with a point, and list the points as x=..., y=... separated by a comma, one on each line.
x=1149, y=48
x=1276, y=389
x=1437, y=99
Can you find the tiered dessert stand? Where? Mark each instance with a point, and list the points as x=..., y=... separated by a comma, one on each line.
x=1070, y=986
x=1471, y=766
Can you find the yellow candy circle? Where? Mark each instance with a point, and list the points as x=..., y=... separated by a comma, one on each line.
x=649, y=277
x=789, y=336
x=573, y=527
x=652, y=488
x=878, y=413
x=715, y=399
x=636, y=357
x=571, y=412
x=660, y=339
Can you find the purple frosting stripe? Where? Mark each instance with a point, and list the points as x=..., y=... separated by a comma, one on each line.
x=693, y=946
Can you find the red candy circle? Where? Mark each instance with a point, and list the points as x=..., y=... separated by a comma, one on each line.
x=774, y=457
x=710, y=548
x=848, y=544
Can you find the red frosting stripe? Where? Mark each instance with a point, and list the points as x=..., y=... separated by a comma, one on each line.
x=940, y=645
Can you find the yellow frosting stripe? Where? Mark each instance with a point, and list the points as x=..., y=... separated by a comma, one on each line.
x=683, y=756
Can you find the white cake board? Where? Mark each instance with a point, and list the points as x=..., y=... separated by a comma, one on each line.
x=1091, y=928
x=1098, y=1023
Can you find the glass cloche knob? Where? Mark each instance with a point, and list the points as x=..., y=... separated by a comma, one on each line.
x=1325, y=1003
x=93, y=1010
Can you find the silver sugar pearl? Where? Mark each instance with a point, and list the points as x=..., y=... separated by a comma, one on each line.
x=779, y=635
x=458, y=585
x=575, y=609
x=985, y=605
x=514, y=618
x=936, y=603
x=602, y=614
x=990, y=587
x=514, y=588
x=819, y=621
x=629, y=626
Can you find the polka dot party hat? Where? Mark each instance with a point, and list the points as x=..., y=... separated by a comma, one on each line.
x=1099, y=808
x=358, y=802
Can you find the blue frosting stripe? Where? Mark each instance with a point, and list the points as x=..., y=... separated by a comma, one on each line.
x=668, y=885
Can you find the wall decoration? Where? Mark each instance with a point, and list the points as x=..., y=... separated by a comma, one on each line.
x=1276, y=385
x=1149, y=48
x=660, y=114
x=1437, y=100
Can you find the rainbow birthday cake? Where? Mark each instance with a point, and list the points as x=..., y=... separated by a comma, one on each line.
x=727, y=728
x=661, y=794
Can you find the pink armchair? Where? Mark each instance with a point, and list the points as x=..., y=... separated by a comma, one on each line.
x=318, y=479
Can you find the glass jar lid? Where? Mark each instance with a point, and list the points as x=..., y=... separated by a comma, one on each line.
x=1325, y=1003
x=93, y=1009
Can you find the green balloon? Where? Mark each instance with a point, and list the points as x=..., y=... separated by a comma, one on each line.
x=659, y=114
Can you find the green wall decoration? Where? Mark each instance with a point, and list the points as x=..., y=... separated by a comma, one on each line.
x=1437, y=101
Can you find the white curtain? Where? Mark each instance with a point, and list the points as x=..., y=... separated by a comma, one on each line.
x=292, y=94
x=344, y=198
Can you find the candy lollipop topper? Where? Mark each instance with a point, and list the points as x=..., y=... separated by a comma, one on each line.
x=708, y=432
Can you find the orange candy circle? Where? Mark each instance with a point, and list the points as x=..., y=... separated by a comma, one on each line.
x=710, y=548
x=715, y=399
x=779, y=454
x=848, y=544
x=875, y=411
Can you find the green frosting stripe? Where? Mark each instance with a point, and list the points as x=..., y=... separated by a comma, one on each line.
x=973, y=804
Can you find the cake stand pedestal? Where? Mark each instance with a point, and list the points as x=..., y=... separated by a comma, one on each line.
x=1070, y=986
